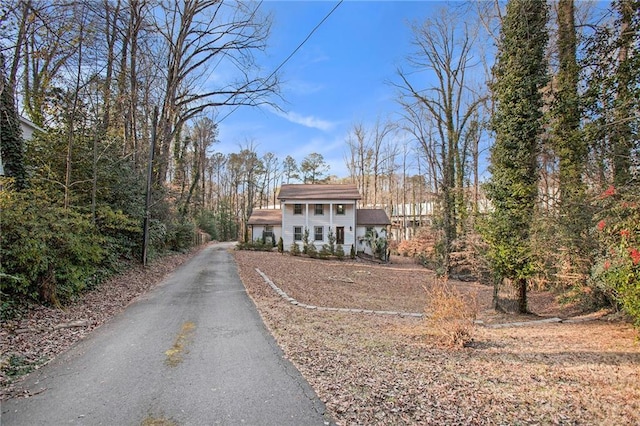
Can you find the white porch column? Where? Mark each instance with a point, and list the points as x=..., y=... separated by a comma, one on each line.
x=330, y=215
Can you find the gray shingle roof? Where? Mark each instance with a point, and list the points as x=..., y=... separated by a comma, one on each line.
x=372, y=217
x=318, y=192
x=266, y=217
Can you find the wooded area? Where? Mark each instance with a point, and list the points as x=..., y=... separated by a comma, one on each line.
x=553, y=101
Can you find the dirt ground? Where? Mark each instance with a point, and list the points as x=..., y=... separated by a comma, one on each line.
x=384, y=369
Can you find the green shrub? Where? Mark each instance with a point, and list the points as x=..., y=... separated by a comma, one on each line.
x=280, y=245
x=616, y=271
x=312, y=251
x=257, y=245
x=157, y=238
x=295, y=249
x=325, y=251
x=331, y=247
x=122, y=237
x=48, y=253
x=180, y=236
x=305, y=241
x=352, y=254
x=339, y=252
x=207, y=222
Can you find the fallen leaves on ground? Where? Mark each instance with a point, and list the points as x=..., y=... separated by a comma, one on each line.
x=371, y=369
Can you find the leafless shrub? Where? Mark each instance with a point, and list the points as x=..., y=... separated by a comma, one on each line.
x=450, y=314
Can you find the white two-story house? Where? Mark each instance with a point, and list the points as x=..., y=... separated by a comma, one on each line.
x=321, y=210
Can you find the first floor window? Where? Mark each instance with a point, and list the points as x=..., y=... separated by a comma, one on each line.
x=318, y=233
x=297, y=233
x=268, y=231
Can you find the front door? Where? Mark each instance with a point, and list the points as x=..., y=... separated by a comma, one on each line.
x=340, y=235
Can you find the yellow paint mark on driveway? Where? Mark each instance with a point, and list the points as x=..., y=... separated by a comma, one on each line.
x=157, y=421
x=176, y=352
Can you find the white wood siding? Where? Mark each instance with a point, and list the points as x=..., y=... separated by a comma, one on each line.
x=360, y=234
x=257, y=232
x=328, y=220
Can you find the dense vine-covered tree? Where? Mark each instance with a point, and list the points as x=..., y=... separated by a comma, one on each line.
x=519, y=75
x=11, y=142
x=569, y=145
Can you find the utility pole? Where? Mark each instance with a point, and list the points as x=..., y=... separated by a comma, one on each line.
x=145, y=232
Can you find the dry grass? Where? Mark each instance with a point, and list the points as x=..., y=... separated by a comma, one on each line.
x=392, y=370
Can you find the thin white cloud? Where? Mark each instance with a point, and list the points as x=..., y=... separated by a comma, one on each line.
x=306, y=121
x=302, y=88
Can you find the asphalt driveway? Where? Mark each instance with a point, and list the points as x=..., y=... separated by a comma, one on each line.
x=193, y=351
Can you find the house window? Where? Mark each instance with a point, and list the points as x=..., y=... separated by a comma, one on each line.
x=297, y=209
x=318, y=233
x=268, y=231
x=340, y=209
x=297, y=233
x=319, y=210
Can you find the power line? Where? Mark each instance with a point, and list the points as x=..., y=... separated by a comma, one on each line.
x=290, y=55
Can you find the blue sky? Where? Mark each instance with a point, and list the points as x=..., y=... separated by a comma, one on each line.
x=339, y=77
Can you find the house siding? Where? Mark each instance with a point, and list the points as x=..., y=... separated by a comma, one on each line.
x=361, y=231
x=329, y=220
x=258, y=229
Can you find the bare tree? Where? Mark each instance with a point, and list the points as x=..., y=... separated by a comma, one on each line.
x=365, y=158
x=196, y=34
x=358, y=160
x=444, y=49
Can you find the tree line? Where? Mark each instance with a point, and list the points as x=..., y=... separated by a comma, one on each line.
x=559, y=107
x=551, y=106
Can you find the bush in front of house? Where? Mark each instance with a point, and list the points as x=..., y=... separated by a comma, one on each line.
x=257, y=245
x=325, y=251
x=305, y=241
x=339, y=252
x=295, y=250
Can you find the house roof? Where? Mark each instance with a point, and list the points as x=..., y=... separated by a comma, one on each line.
x=266, y=217
x=372, y=217
x=318, y=192
x=32, y=126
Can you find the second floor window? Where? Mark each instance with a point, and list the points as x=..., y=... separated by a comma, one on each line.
x=297, y=209
x=319, y=210
x=340, y=209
